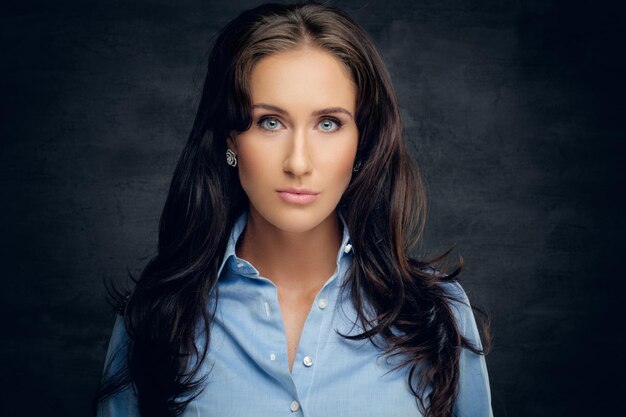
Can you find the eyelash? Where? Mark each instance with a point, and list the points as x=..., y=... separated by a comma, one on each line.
x=338, y=122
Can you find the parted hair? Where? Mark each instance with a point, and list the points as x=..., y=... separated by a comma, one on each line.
x=400, y=304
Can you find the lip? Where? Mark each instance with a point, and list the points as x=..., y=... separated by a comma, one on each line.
x=297, y=195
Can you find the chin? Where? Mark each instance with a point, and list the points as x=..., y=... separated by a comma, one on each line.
x=297, y=219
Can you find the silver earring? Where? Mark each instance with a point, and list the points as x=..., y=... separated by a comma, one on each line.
x=231, y=158
x=357, y=166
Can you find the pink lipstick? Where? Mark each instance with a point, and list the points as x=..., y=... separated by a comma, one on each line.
x=297, y=195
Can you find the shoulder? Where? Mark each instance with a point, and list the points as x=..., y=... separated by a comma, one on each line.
x=461, y=308
x=455, y=294
x=118, y=347
x=454, y=289
x=123, y=402
x=474, y=395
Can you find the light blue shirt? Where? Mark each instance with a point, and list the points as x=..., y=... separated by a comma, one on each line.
x=332, y=376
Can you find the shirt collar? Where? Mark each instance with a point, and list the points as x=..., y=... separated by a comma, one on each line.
x=230, y=256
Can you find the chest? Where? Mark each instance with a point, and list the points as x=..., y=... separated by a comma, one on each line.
x=248, y=364
x=294, y=310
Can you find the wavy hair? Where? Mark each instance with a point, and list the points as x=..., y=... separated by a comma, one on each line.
x=398, y=299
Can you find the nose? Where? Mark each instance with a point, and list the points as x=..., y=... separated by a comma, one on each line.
x=298, y=159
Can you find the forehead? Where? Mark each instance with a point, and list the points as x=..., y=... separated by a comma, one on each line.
x=304, y=77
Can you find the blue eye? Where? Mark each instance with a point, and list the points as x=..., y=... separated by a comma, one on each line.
x=268, y=126
x=328, y=123
x=272, y=124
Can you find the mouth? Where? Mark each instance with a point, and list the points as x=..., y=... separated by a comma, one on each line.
x=297, y=196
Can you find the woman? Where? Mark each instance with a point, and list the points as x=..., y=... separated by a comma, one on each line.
x=283, y=282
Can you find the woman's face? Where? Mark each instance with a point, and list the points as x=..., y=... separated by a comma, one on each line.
x=303, y=137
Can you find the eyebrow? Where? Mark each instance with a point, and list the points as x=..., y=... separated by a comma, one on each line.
x=315, y=113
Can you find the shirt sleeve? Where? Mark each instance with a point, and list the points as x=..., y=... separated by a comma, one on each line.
x=123, y=403
x=474, y=395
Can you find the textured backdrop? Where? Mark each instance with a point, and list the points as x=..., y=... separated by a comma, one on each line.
x=514, y=110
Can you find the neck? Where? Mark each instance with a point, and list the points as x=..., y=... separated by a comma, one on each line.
x=298, y=262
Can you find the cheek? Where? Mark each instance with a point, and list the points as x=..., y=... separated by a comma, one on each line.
x=338, y=164
x=256, y=165
x=250, y=173
x=342, y=170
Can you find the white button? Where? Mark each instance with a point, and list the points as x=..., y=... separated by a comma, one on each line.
x=272, y=356
x=239, y=265
x=295, y=406
x=322, y=303
x=307, y=361
x=347, y=248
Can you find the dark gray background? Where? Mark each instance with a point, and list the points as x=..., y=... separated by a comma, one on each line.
x=514, y=111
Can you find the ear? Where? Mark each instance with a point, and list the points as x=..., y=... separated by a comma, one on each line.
x=231, y=141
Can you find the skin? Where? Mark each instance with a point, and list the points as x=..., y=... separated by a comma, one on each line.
x=295, y=246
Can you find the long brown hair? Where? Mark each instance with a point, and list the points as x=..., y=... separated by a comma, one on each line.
x=398, y=298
